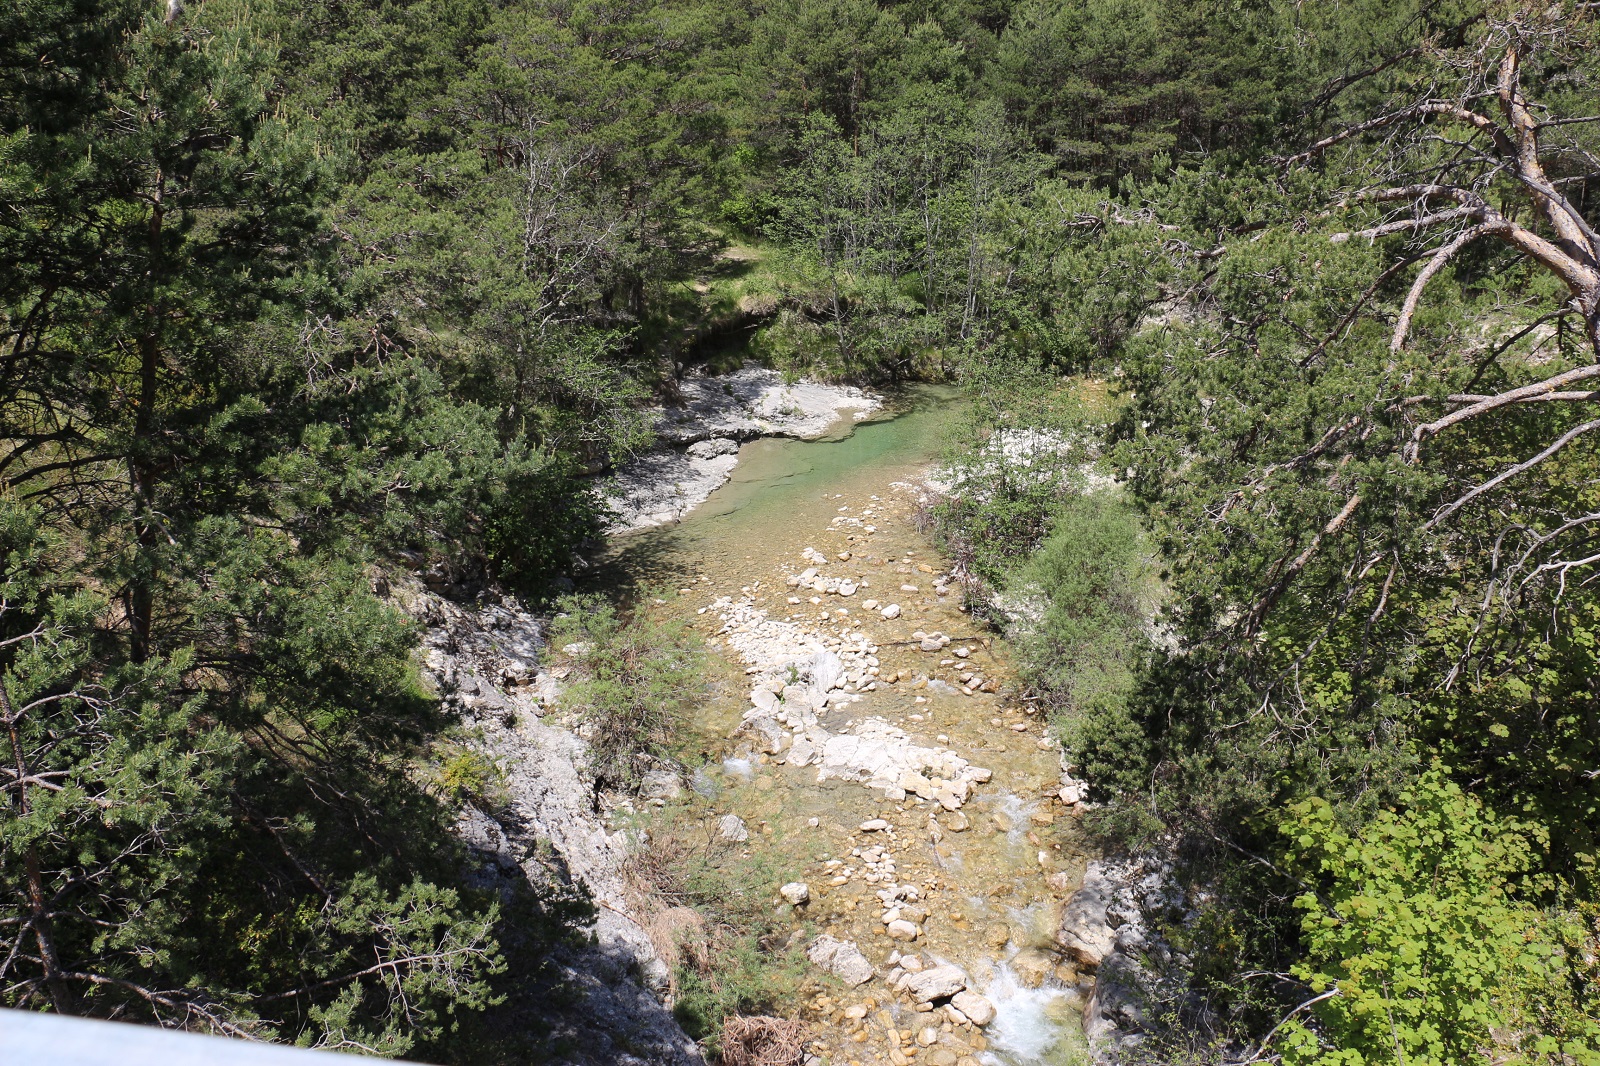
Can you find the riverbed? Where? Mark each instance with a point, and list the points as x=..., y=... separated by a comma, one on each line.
x=969, y=871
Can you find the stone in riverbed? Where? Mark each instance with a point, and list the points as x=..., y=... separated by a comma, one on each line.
x=1086, y=933
x=802, y=751
x=941, y=982
x=900, y=929
x=874, y=825
x=891, y=611
x=978, y=1009
x=1032, y=967
x=796, y=892
x=841, y=958
x=847, y=588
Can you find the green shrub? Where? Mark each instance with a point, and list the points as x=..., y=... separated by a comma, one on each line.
x=536, y=525
x=1420, y=935
x=1093, y=585
x=469, y=776
x=633, y=678
x=732, y=959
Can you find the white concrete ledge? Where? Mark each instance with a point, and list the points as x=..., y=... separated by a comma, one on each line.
x=28, y=1038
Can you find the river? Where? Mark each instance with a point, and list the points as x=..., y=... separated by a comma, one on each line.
x=987, y=877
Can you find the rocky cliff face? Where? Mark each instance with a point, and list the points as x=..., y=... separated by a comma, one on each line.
x=1109, y=928
x=483, y=660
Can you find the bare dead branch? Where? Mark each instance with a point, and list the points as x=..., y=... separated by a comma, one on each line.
x=1437, y=263
x=1520, y=395
x=1258, y=613
x=1510, y=472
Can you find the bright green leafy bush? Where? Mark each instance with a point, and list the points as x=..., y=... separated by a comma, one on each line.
x=1421, y=934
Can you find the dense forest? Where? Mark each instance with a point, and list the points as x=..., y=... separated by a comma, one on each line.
x=294, y=296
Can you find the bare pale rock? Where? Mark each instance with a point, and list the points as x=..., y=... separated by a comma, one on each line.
x=1086, y=934
x=941, y=982
x=732, y=827
x=874, y=825
x=977, y=1008
x=900, y=929
x=710, y=449
x=841, y=958
x=891, y=612
x=796, y=892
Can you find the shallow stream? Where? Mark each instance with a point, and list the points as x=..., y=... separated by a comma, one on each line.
x=990, y=876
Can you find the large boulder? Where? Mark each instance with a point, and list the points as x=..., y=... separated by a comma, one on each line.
x=841, y=958
x=977, y=1009
x=710, y=449
x=941, y=982
x=1086, y=934
x=1116, y=1008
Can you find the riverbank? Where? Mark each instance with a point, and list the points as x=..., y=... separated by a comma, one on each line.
x=701, y=433
x=866, y=734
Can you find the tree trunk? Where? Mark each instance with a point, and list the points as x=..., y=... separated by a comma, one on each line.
x=38, y=906
x=141, y=465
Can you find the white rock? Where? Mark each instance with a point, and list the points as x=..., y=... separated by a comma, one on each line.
x=1086, y=932
x=842, y=959
x=847, y=588
x=900, y=929
x=710, y=449
x=978, y=1009
x=941, y=982
x=802, y=751
x=732, y=827
x=872, y=825
x=796, y=892
x=891, y=611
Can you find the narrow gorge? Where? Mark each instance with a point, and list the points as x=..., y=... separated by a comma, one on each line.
x=864, y=739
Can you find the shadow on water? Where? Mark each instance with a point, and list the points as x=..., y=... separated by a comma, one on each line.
x=779, y=483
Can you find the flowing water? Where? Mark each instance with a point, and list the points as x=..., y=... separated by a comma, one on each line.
x=991, y=876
